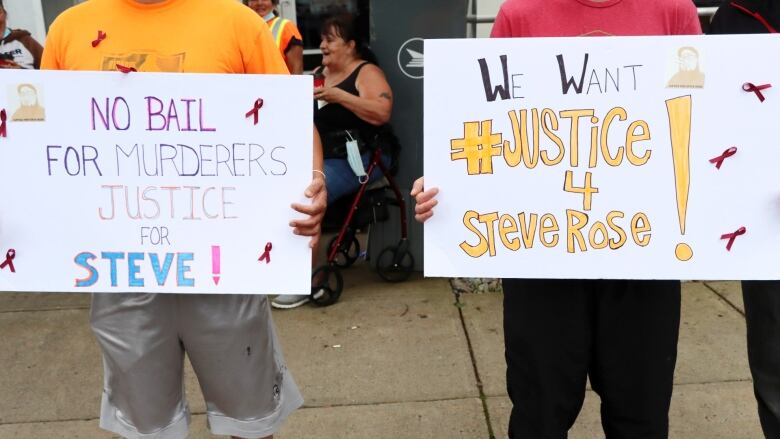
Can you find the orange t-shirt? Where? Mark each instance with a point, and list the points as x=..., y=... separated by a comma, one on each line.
x=170, y=36
x=287, y=34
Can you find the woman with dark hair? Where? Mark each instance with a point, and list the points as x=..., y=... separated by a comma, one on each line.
x=286, y=34
x=354, y=103
x=18, y=49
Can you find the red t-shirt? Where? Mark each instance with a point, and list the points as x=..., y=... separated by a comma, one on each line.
x=573, y=18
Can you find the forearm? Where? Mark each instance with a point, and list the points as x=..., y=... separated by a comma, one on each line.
x=295, y=66
x=318, y=158
x=374, y=111
x=295, y=60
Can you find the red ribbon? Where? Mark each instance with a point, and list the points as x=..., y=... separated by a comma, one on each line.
x=732, y=236
x=125, y=69
x=101, y=36
x=750, y=87
x=266, y=256
x=3, y=125
x=9, y=260
x=721, y=158
x=256, y=110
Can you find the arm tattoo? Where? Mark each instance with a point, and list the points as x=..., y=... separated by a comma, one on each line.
x=387, y=96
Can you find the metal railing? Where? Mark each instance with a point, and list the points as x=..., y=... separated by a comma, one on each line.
x=707, y=12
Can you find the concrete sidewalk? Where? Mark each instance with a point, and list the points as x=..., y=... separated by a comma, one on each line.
x=387, y=361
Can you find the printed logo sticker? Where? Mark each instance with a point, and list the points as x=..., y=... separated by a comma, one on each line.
x=686, y=70
x=26, y=103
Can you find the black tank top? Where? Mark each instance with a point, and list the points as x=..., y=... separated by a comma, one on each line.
x=334, y=119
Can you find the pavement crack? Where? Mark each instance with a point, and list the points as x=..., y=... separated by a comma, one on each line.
x=480, y=386
x=706, y=383
x=382, y=403
x=34, y=310
x=724, y=298
x=51, y=421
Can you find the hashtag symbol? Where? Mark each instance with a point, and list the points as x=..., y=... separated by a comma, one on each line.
x=478, y=147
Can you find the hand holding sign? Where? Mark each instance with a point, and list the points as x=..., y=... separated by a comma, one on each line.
x=425, y=199
x=316, y=211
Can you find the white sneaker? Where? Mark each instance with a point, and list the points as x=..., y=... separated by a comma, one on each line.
x=289, y=301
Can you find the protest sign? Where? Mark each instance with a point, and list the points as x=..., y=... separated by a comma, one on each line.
x=619, y=157
x=182, y=183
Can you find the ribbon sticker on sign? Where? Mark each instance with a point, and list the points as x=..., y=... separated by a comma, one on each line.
x=593, y=158
x=152, y=182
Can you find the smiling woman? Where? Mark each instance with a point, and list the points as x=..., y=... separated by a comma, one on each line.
x=286, y=34
x=354, y=105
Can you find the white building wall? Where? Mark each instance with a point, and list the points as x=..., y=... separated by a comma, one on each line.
x=26, y=14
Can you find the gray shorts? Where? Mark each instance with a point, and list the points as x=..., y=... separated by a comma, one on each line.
x=231, y=343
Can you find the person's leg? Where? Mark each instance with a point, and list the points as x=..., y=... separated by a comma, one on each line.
x=547, y=332
x=762, y=312
x=637, y=324
x=143, y=360
x=231, y=343
x=340, y=180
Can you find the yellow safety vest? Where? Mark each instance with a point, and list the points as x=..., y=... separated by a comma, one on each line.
x=277, y=24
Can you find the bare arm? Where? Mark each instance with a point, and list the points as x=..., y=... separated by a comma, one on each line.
x=36, y=49
x=318, y=157
x=295, y=59
x=375, y=102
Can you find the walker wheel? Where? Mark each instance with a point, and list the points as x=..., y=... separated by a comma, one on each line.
x=347, y=254
x=327, y=284
x=394, y=265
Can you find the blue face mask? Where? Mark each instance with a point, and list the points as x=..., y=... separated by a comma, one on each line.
x=6, y=33
x=270, y=16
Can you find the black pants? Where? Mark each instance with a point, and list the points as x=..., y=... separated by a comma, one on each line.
x=762, y=311
x=621, y=334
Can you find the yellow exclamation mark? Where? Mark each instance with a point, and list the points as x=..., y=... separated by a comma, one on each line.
x=679, y=110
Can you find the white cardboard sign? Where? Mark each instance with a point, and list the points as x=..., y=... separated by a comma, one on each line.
x=150, y=182
x=596, y=157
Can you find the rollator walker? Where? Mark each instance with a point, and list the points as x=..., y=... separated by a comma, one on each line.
x=370, y=205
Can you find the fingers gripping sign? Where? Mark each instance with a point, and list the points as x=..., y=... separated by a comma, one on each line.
x=310, y=226
x=425, y=199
